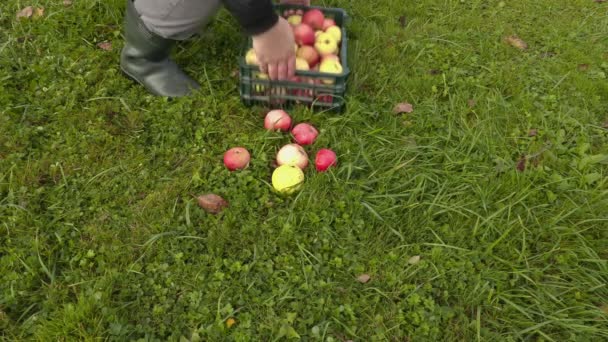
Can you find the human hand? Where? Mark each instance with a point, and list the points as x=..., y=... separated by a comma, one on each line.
x=275, y=51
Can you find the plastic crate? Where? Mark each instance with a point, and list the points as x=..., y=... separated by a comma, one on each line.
x=255, y=89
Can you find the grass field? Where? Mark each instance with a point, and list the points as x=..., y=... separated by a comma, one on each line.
x=498, y=181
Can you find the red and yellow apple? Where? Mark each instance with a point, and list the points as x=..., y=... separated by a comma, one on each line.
x=304, y=34
x=309, y=54
x=292, y=155
x=277, y=119
x=304, y=134
x=237, y=158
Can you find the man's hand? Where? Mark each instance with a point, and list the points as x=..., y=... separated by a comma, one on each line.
x=275, y=51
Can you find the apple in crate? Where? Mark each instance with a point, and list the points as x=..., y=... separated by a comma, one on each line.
x=309, y=54
x=304, y=34
x=328, y=22
x=335, y=31
x=294, y=19
x=314, y=18
x=330, y=66
x=326, y=44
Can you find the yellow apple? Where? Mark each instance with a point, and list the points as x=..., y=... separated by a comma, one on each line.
x=257, y=86
x=335, y=32
x=330, y=66
x=295, y=20
x=326, y=44
x=301, y=64
x=251, y=58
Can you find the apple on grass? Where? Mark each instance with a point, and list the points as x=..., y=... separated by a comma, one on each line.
x=304, y=34
x=292, y=155
x=304, y=134
x=277, y=119
x=325, y=159
x=314, y=17
x=237, y=158
x=326, y=44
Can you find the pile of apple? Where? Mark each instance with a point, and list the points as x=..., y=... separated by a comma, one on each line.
x=317, y=48
x=293, y=154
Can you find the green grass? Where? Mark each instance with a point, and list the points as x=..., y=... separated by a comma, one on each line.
x=100, y=237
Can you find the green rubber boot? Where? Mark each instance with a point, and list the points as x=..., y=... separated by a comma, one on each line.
x=146, y=59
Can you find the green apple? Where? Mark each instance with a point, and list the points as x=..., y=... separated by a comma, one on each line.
x=326, y=44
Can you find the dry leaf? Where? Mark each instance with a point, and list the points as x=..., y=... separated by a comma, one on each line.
x=600, y=1
x=67, y=2
x=364, y=278
x=516, y=42
x=212, y=203
x=39, y=12
x=583, y=67
x=230, y=322
x=106, y=46
x=605, y=125
x=403, y=21
x=26, y=12
x=434, y=72
x=521, y=164
x=533, y=132
x=403, y=107
x=604, y=308
x=414, y=260
x=471, y=103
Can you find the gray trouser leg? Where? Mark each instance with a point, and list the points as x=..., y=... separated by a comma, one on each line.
x=176, y=19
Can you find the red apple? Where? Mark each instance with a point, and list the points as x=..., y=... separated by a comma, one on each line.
x=237, y=158
x=304, y=34
x=309, y=54
x=325, y=159
x=314, y=18
x=328, y=22
x=304, y=134
x=277, y=119
x=293, y=155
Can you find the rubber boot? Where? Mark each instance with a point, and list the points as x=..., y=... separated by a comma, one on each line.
x=146, y=59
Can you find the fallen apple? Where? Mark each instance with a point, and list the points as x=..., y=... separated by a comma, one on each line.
x=314, y=18
x=304, y=34
x=325, y=159
x=304, y=134
x=277, y=119
x=237, y=158
x=293, y=155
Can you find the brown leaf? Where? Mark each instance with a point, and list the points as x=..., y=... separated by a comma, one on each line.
x=533, y=132
x=434, y=72
x=402, y=21
x=414, y=260
x=605, y=125
x=26, y=12
x=364, y=278
x=212, y=203
x=403, y=107
x=516, y=42
x=600, y=1
x=583, y=67
x=106, y=46
x=471, y=103
x=67, y=2
x=521, y=164
x=604, y=308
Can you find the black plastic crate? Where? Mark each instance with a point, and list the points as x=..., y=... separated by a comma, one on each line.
x=257, y=89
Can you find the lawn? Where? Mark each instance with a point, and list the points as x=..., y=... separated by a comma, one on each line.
x=480, y=216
